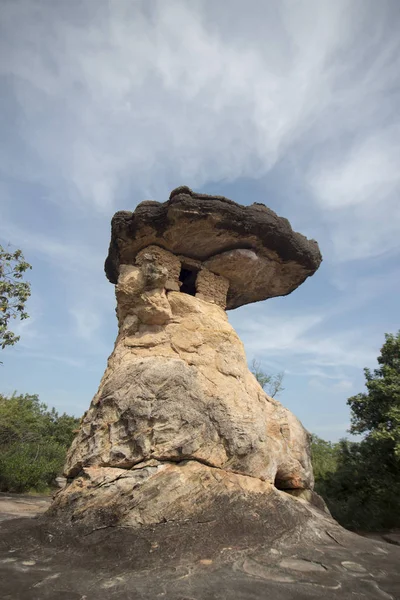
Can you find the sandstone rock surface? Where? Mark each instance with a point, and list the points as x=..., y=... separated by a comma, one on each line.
x=176, y=393
x=178, y=418
x=183, y=391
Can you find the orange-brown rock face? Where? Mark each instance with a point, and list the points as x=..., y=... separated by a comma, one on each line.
x=178, y=416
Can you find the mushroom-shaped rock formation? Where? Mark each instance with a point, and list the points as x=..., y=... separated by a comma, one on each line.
x=256, y=251
x=179, y=420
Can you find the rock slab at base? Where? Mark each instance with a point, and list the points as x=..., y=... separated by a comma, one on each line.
x=242, y=546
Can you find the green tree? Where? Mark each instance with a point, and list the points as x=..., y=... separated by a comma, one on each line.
x=324, y=456
x=14, y=292
x=271, y=384
x=377, y=412
x=363, y=490
x=33, y=443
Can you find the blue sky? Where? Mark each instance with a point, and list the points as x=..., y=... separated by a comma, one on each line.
x=295, y=104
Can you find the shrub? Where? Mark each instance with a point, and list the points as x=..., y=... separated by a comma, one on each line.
x=33, y=443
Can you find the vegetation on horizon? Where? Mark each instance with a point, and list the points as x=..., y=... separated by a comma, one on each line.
x=360, y=481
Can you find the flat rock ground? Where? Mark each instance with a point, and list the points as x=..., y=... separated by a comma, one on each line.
x=22, y=505
x=243, y=552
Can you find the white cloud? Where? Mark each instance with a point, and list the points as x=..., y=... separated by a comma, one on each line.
x=318, y=342
x=359, y=191
x=321, y=384
x=276, y=332
x=303, y=342
x=368, y=171
x=165, y=93
x=66, y=254
x=86, y=323
x=27, y=329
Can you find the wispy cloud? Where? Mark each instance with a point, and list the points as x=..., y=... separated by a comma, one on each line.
x=343, y=385
x=111, y=97
x=357, y=188
x=280, y=335
x=86, y=323
x=67, y=255
x=367, y=170
x=49, y=357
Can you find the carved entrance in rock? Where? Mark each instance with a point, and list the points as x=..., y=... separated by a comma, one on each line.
x=188, y=277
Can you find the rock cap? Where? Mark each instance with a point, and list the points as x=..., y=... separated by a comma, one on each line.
x=251, y=246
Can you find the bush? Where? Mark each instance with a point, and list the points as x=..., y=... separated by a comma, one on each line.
x=33, y=443
x=360, y=481
x=363, y=492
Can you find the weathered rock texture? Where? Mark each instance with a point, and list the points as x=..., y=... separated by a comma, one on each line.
x=179, y=419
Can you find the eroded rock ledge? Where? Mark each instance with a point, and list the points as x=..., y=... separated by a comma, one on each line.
x=157, y=491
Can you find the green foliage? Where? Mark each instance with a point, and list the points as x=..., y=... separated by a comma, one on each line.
x=360, y=481
x=377, y=412
x=324, y=456
x=33, y=443
x=271, y=384
x=13, y=293
x=32, y=466
x=363, y=492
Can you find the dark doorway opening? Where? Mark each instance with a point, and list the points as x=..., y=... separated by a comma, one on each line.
x=278, y=484
x=281, y=481
x=188, y=279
